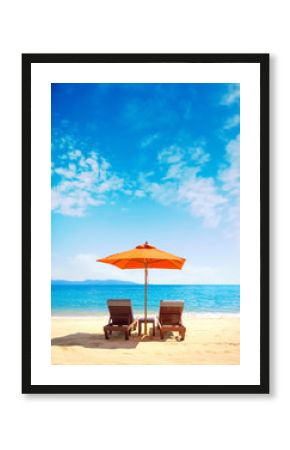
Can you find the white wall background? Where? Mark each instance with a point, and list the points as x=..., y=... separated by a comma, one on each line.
x=205, y=422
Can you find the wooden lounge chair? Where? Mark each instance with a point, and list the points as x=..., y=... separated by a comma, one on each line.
x=121, y=318
x=170, y=318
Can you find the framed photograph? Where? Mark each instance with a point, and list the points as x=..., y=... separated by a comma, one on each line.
x=145, y=227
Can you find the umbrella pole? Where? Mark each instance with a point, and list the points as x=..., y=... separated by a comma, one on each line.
x=145, y=298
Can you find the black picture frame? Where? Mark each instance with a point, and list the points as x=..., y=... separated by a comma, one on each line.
x=263, y=61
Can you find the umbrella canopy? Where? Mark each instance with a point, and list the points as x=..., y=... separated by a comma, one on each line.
x=146, y=257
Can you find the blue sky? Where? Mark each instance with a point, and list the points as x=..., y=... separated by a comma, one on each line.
x=155, y=162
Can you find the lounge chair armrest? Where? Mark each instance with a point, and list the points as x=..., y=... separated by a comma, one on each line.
x=132, y=324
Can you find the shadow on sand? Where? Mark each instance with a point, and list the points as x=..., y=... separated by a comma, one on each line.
x=95, y=340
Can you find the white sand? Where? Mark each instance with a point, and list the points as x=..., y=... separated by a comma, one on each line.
x=208, y=340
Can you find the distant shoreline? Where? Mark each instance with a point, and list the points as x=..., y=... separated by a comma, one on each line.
x=93, y=283
x=130, y=284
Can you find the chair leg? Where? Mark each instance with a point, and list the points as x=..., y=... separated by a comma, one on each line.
x=106, y=334
x=182, y=335
x=127, y=335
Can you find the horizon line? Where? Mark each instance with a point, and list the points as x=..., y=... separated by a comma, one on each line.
x=140, y=284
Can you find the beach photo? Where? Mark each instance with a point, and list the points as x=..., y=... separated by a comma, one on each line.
x=145, y=224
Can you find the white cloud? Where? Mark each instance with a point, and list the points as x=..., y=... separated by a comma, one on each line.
x=63, y=142
x=230, y=175
x=85, y=182
x=203, y=200
x=69, y=172
x=170, y=155
x=214, y=200
x=232, y=122
x=139, y=193
x=198, y=155
x=231, y=96
x=230, y=178
x=174, y=171
x=179, y=155
x=75, y=154
x=165, y=193
x=183, y=184
x=148, y=140
x=74, y=203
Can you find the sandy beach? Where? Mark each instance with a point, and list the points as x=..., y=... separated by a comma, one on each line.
x=208, y=340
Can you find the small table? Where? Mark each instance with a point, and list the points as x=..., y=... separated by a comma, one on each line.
x=149, y=320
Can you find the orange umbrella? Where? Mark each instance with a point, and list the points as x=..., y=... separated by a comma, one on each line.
x=146, y=257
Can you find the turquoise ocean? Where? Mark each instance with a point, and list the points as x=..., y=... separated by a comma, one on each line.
x=88, y=300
